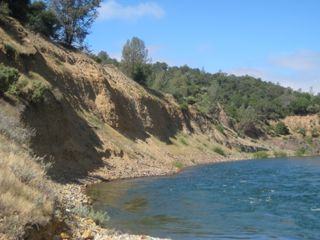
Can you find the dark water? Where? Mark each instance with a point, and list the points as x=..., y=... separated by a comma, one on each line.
x=256, y=199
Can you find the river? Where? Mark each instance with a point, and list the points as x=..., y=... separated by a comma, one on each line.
x=252, y=199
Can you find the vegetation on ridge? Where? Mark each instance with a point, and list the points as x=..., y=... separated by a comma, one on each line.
x=67, y=22
x=247, y=101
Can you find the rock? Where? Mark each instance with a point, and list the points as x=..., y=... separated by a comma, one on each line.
x=89, y=221
x=87, y=235
x=64, y=236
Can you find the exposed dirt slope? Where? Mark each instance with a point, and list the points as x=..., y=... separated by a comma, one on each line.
x=94, y=118
x=309, y=123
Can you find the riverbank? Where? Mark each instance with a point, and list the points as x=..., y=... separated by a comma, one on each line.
x=254, y=197
x=73, y=197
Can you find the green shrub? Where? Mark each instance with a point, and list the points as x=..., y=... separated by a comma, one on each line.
x=178, y=164
x=10, y=50
x=38, y=90
x=8, y=76
x=301, y=151
x=279, y=154
x=184, y=106
x=99, y=217
x=302, y=131
x=17, y=87
x=281, y=129
x=219, y=150
x=261, y=154
x=220, y=128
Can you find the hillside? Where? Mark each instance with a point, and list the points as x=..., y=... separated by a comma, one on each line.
x=248, y=101
x=91, y=122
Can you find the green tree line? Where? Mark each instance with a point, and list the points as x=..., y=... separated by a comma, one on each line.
x=245, y=99
x=64, y=21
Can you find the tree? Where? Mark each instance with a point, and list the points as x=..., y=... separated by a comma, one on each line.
x=104, y=58
x=134, y=59
x=42, y=20
x=16, y=8
x=4, y=8
x=248, y=122
x=75, y=17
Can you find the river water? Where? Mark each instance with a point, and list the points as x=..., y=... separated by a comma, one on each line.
x=254, y=199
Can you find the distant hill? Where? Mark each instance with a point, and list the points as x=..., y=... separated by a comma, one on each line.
x=238, y=95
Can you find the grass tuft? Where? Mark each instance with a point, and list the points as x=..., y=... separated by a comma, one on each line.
x=178, y=164
x=11, y=127
x=183, y=141
x=219, y=150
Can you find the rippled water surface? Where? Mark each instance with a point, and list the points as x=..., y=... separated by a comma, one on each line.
x=255, y=199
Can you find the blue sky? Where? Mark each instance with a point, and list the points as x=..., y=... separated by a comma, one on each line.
x=277, y=40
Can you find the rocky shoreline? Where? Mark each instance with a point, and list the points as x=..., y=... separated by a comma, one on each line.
x=73, y=196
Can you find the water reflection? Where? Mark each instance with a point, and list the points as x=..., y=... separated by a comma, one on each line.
x=136, y=205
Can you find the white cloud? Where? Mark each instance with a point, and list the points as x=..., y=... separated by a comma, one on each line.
x=254, y=72
x=114, y=10
x=301, y=60
x=297, y=80
x=298, y=70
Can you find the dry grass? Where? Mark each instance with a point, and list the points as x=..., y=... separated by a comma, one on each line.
x=11, y=127
x=26, y=196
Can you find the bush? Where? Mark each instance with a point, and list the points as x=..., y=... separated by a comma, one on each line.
x=10, y=50
x=219, y=151
x=38, y=91
x=261, y=154
x=280, y=154
x=99, y=217
x=302, y=131
x=178, y=164
x=16, y=88
x=8, y=76
x=281, y=129
x=184, y=106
